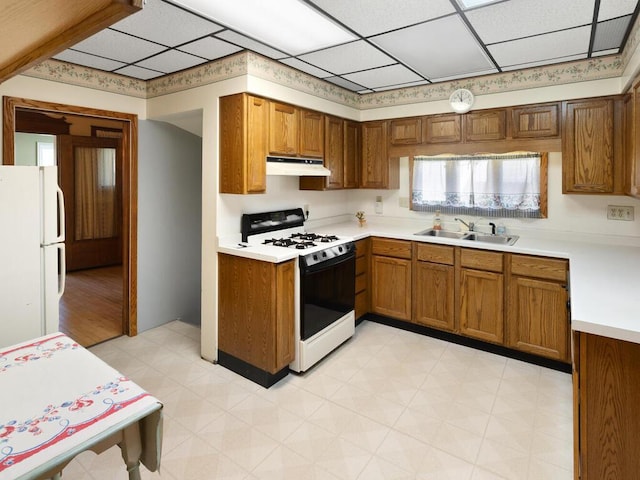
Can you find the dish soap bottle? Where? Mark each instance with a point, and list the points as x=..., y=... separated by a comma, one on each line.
x=501, y=230
x=437, y=221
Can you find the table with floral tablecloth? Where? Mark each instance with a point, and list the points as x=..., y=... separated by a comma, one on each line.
x=57, y=399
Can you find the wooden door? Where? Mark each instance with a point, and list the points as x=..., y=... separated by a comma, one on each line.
x=283, y=129
x=391, y=287
x=352, y=154
x=481, y=305
x=588, y=146
x=375, y=161
x=334, y=151
x=434, y=295
x=90, y=170
x=311, y=133
x=538, y=318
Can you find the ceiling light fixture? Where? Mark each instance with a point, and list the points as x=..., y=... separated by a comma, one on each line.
x=288, y=25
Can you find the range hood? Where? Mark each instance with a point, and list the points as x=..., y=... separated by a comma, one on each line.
x=296, y=166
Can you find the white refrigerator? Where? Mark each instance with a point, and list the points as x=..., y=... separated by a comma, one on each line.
x=32, y=255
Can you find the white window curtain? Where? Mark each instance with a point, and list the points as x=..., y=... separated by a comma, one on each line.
x=493, y=185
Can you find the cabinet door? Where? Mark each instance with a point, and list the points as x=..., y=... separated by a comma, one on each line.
x=285, y=316
x=606, y=411
x=433, y=295
x=588, y=146
x=481, y=305
x=244, y=135
x=334, y=151
x=391, y=287
x=535, y=121
x=375, y=161
x=635, y=150
x=311, y=134
x=283, y=129
x=537, y=319
x=485, y=125
x=352, y=154
x=406, y=131
x=443, y=128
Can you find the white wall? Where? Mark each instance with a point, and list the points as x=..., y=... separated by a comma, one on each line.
x=169, y=224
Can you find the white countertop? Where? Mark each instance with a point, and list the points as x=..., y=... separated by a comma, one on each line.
x=604, y=283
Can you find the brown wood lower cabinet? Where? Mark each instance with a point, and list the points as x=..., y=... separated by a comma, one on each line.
x=606, y=415
x=391, y=278
x=256, y=324
x=481, y=295
x=362, y=277
x=434, y=286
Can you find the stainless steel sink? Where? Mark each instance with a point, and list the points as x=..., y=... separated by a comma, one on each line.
x=497, y=239
x=472, y=236
x=430, y=232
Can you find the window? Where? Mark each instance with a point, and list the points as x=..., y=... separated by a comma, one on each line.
x=490, y=185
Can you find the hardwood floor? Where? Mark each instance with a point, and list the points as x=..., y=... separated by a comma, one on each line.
x=91, y=306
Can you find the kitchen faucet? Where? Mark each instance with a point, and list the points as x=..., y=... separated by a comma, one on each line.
x=469, y=225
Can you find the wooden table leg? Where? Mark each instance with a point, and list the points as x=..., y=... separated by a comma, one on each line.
x=131, y=447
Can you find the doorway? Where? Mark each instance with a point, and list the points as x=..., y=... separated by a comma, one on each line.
x=120, y=231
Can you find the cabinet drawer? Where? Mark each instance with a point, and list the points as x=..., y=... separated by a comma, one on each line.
x=391, y=248
x=434, y=253
x=362, y=303
x=361, y=265
x=361, y=282
x=481, y=260
x=362, y=247
x=539, y=267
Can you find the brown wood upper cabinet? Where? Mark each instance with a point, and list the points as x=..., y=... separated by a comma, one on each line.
x=592, y=146
x=406, y=131
x=312, y=127
x=378, y=170
x=244, y=137
x=535, y=121
x=443, y=128
x=283, y=129
x=341, y=156
x=485, y=125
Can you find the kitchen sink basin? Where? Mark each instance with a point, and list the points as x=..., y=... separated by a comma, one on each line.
x=471, y=236
x=497, y=239
x=430, y=232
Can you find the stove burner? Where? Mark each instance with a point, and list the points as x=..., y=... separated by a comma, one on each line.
x=289, y=242
x=314, y=237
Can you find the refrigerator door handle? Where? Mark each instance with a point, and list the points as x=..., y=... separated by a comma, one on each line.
x=62, y=276
x=61, y=217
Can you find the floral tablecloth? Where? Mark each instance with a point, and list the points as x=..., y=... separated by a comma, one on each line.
x=56, y=397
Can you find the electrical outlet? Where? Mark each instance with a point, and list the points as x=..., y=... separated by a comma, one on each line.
x=620, y=212
x=403, y=202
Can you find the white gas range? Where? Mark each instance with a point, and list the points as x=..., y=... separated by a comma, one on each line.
x=324, y=288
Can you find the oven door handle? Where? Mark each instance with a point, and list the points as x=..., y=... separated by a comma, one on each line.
x=320, y=267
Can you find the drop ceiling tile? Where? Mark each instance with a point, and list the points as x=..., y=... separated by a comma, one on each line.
x=305, y=67
x=88, y=60
x=465, y=75
x=522, y=18
x=210, y=48
x=383, y=76
x=615, y=8
x=542, y=47
x=422, y=48
x=370, y=17
x=348, y=58
x=341, y=82
x=167, y=24
x=138, y=72
x=404, y=85
x=610, y=34
x=602, y=53
x=248, y=43
x=118, y=46
x=171, y=61
x=541, y=63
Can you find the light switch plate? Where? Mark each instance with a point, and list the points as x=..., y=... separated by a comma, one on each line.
x=620, y=212
x=403, y=202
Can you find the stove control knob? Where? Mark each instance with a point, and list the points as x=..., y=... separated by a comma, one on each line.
x=340, y=249
x=324, y=254
x=315, y=257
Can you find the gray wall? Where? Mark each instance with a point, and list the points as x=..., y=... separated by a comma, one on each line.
x=169, y=224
